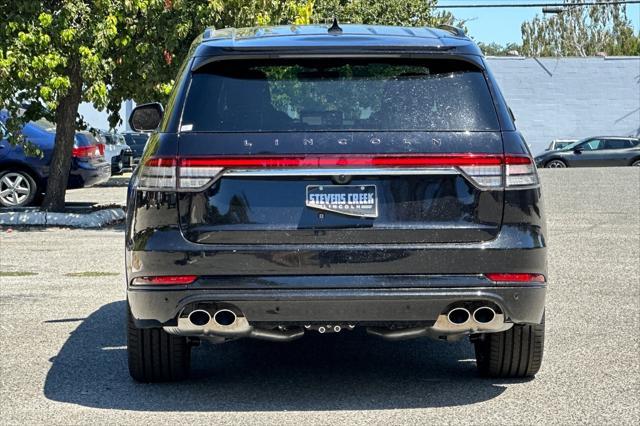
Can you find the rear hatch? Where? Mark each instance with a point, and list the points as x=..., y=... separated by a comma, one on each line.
x=338, y=151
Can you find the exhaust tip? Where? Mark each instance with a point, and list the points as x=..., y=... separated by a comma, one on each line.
x=224, y=317
x=199, y=317
x=458, y=316
x=484, y=315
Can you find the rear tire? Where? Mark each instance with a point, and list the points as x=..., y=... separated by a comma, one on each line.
x=515, y=353
x=556, y=164
x=636, y=163
x=117, y=165
x=17, y=188
x=156, y=356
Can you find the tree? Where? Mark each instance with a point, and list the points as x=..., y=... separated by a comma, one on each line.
x=497, y=49
x=581, y=31
x=383, y=12
x=56, y=54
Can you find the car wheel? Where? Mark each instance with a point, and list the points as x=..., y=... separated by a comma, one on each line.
x=556, y=164
x=636, y=163
x=515, y=353
x=17, y=188
x=156, y=356
x=117, y=165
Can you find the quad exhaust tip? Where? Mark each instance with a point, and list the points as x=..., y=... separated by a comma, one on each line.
x=200, y=317
x=224, y=317
x=484, y=315
x=458, y=316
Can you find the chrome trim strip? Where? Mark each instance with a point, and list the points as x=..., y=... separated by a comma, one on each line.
x=377, y=171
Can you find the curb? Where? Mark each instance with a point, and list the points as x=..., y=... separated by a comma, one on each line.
x=95, y=219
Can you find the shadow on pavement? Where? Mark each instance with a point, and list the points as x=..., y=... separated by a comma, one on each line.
x=348, y=371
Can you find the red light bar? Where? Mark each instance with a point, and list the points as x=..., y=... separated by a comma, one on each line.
x=166, y=280
x=84, y=151
x=161, y=162
x=514, y=277
x=442, y=160
x=517, y=159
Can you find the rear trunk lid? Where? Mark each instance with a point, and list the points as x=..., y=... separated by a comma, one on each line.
x=339, y=151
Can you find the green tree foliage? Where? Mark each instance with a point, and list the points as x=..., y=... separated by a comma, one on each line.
x=581, y=31
x=497, y=49
x=382, y=12
x=56, y=54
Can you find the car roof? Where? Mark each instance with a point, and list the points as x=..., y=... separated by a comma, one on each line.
x=612, y=137
x=444, y=38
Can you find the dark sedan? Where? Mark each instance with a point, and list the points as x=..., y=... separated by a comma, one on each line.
x=137, y=142
x=594, y=152
x=23, y=178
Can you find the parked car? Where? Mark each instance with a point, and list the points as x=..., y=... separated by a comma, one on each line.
x=363, y=176
x=136, y=141
x=594, y=152
x=559, y=144
x=117, y=152
x=23, y=178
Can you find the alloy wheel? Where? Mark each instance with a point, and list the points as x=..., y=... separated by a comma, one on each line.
x=15, y=189
x=556, y=164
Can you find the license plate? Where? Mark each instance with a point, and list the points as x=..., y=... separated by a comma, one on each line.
x=350, y=200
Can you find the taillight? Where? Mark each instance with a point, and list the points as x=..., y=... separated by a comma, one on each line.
x=193, y=174
x=100, y=148
x=520, y=171
x=516, y=277
x=85, y=151
x=166, y=280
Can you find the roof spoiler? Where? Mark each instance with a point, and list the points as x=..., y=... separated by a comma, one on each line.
x=458, y=32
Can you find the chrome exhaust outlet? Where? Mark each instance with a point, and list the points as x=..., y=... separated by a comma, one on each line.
x=484, y=315
x=199, y=317
x=225, y=324
x=458, y=316
x=224, y=317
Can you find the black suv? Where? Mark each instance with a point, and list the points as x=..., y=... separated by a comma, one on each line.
x=306, y=179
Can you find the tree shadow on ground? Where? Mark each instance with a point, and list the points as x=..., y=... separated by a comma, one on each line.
x=347, y=371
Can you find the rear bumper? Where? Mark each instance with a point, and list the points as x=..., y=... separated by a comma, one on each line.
x=520, y=303
x=87, y=174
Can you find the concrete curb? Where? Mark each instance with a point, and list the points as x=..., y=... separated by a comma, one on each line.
x=95, y=219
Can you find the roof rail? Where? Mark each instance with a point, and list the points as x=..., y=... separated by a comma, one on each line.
x=208, y=33
x=458, y=32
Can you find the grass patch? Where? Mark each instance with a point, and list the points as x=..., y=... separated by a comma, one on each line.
x=89, y=274
x=17, y=274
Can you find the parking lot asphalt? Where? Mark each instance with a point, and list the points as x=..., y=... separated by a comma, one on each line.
x=63, y=357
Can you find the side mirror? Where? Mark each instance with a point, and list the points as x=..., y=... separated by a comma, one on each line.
x=578, y=150
x=146, y=117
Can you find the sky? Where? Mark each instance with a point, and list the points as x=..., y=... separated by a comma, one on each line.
x=503, y=25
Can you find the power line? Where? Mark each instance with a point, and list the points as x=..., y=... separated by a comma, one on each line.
x=556, y=4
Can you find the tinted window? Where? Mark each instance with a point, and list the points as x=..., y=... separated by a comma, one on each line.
x=617, y=143
x=592, y=145
x=316, y=95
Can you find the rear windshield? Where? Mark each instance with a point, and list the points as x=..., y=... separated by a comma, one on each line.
x=338, y=95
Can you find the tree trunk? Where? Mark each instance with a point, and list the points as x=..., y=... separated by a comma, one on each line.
x=65, y=135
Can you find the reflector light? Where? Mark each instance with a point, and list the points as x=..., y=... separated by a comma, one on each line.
x=516, y=277
x=194, y=174
x=167, y=280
